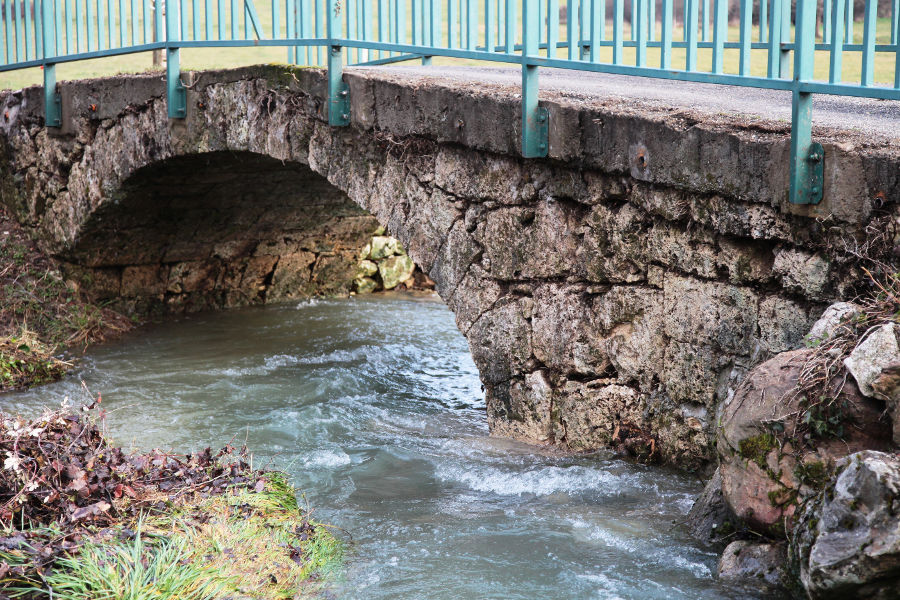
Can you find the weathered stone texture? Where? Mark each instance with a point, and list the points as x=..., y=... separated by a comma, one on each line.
x=630, y=287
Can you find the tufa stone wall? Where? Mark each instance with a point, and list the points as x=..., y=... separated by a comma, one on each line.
x=612, y=295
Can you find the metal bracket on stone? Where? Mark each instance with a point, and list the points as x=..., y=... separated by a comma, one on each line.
x=52, y=98
x=339, y=105
x=816, y=160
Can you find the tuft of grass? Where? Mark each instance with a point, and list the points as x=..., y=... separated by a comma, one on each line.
x=145, y=568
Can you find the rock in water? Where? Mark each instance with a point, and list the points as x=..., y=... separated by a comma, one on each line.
x=365, y=285
x=766, y=470
x=394, y=270
x=875, y=353
x=847, y=545
x=754, y=565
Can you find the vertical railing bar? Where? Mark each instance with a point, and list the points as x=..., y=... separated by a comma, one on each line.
x=471, y=24
x=38, y=27
x=827, y=6
x=182, y=21
x=382, y=25
x=276, y=20
x=651, y=21
x=489, y=25
x=705, y=21
x=572, y=28
x=90, y=18
x=763, y=20
x=79, y=25
x=30, y=33
x=746, y=35
x=415, y=16
x=868, y=53
x=367, y=25
x=895, y=23
x=639, y=15
x=20, y=42
x=220, y=20
x=835, y=66
x=542, y=19
x=668, y=22
x=597, y=22
x=618, y=31
x=135, y=23
x=848, y=23
x=104, y=33
x=195, y=19
x=501, y=21
x=785, y=55
x=401, y=22
x=773, y=67
x=148, y=21
x=69, y=18
x=158, y=21
x=235, y=19
x=510, y=38
x=690, y=32
x=720, y=34
x=290, y=23
x=57, y=27
x=632, y=23
x=452, y=24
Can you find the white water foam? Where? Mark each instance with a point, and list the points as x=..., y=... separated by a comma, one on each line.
x=538, y=482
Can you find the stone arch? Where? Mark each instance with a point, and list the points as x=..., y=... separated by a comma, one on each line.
x=218, y=229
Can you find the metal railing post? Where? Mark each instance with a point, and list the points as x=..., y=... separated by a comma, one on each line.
x=807, y=157
x=338, y=90
x=534, y=118
x=52, y=103
x=176, y=95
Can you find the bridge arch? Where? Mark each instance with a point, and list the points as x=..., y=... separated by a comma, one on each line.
x=606, y=301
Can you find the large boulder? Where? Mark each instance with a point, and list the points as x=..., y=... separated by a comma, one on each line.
x=847, y=545
x=769, y=460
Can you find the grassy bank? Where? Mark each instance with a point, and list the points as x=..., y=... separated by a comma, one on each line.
x=81, y=519
x=41, y=314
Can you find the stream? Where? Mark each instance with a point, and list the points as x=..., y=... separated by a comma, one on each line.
x=374, y=407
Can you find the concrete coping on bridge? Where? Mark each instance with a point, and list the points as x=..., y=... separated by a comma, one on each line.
x=732, y=155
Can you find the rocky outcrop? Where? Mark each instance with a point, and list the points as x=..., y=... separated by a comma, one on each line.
x=608, y=301
x=847, y=545
x=769, y=460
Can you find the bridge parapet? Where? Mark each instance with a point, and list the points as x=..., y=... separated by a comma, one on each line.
x=612, y=294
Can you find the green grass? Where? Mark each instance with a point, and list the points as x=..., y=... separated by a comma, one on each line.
x=211, y=58
x=240, y=544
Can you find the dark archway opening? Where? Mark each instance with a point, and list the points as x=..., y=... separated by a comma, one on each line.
x=217, y=230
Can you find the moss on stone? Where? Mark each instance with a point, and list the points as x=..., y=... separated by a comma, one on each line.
x=757, y=447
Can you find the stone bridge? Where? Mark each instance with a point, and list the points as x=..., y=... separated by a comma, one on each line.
x=612, y=294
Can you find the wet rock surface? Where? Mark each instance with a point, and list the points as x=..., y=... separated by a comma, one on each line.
x=847, y=545
x=605, y=304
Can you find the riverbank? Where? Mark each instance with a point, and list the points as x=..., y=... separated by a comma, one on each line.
x=42, y=314
x=81, y=518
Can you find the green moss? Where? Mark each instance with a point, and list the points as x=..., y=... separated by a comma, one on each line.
x=814, y=474
x=757, y=447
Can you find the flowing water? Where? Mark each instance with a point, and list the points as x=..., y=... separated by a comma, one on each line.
x=374, y=406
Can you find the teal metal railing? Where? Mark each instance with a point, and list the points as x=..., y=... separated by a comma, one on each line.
x=774, y=44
